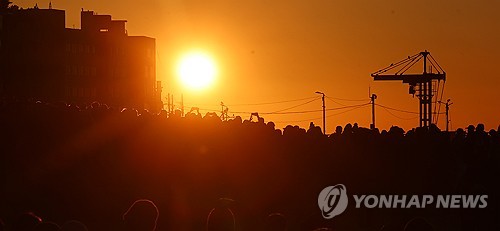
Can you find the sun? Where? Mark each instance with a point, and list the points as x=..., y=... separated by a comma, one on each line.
x=196, y=70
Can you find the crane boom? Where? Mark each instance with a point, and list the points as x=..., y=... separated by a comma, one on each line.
x=420, y=84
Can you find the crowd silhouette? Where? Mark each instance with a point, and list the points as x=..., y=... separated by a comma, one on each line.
x=69, y=167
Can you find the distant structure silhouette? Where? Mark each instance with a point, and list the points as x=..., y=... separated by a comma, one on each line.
x=41, y=59
x=425, y=85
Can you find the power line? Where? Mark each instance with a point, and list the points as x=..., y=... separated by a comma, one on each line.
x=295, y=112
x=286, y=109
x=358, y=100
x=390, y=108
x=292, y=100
x=318, y=118
x=296, y=121
x=399, y=110
x=398, y=116
x=335, y=101
x=357, y=107
x=268, y=103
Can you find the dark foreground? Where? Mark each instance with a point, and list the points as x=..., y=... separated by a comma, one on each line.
x=64, y=163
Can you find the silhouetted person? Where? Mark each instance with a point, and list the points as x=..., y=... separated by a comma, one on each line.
x=338, y=130
x=480, y=128
x=47, y=226
x=470, y=130
x=142, y=215
x=347, y=129
x=355, y=127
x=460, y=134
x=314, y=130
x=221, y=219
x=74, y=225
x=418, y=224
x=275, y=222
x=27, y=222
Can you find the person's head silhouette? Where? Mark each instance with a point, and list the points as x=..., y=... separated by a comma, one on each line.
x=480, y=128
x=221, y=219
x=338, y=130
x=142, y=215
x=470, y=129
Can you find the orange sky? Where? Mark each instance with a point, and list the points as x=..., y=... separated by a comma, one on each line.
x=279, y=50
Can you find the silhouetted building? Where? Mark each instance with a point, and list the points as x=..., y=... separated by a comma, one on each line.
x=41, y=59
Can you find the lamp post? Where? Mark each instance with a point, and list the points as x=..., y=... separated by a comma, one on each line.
x=323, y=99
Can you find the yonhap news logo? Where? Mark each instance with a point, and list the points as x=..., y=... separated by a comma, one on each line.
x=333, y=201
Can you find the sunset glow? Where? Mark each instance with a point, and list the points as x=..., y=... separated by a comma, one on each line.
x=249, y=115
x=299, y=47
x=196, y=71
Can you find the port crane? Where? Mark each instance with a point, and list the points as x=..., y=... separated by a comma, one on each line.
x=424, y=85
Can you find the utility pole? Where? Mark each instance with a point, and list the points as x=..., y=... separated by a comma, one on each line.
x=182, y=105
x=324, y=110
x=172, y=106
x=447, y=104
x=373, y=98
x=223, y=112
x=168, y=104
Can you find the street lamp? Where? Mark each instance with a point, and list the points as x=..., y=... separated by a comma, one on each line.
x=323, y=99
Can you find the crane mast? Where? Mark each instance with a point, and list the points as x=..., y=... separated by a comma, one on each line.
x=419, y=84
